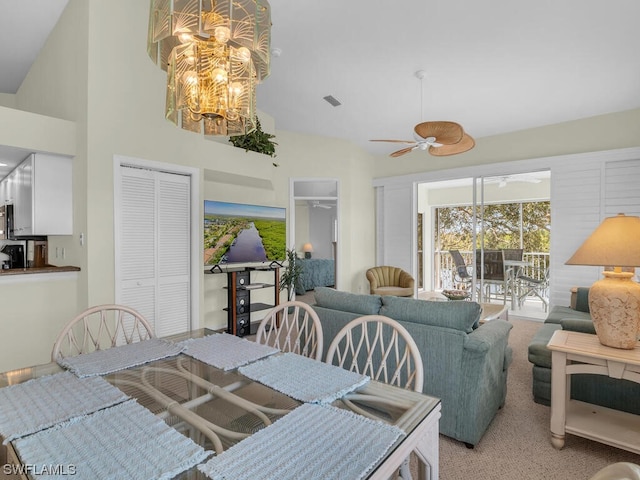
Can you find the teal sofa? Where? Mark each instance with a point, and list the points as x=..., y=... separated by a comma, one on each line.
x=597, y=389
x=465, y=365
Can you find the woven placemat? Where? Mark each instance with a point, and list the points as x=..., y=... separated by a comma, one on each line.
x=225, y=351
x=29, y=407
x=313, y=442
x=123, y=441
x=303, y=378
x=103, y=362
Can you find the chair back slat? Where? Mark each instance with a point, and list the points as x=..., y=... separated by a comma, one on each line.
x=380, y=347
x=99, y=328
x=292, y=327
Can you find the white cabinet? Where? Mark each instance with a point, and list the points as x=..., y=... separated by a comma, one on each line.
x=43, y=196
x=23, y=200
x=8, y=188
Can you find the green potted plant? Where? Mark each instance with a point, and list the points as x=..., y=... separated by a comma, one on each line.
x=256, y=141
x=290, y=274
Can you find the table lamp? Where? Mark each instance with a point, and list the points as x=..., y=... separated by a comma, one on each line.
x=307, y=248
x=614, y=301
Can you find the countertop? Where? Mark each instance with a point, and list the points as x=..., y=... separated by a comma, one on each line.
x=46, y=269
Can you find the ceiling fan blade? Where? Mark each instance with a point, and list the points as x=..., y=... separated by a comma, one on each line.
x=446, y=133
x=398, y=153
x=394, y=141
x=464, y=145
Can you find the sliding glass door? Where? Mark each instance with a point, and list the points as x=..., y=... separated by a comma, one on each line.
x=480, y=221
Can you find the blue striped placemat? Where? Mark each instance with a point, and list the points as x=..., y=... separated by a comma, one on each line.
x=123, y=441
x=42, y=402
x=303, y=378
x=103, y=362
x=225, y=351
x=313, y=442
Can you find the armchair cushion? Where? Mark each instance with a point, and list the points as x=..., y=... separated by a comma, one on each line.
x=386, y=280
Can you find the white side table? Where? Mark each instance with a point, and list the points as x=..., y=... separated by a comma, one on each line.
x=574, y=352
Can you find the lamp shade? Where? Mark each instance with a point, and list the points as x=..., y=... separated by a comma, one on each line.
x=615, y=243
x=307, y=247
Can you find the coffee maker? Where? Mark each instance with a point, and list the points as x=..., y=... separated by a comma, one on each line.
x=16, y=255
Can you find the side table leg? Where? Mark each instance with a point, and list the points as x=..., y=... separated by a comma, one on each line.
x=559, y=397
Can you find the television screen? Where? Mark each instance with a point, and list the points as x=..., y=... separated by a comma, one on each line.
x=241, y=233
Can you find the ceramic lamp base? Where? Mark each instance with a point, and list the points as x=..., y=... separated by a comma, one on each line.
x=614, y=303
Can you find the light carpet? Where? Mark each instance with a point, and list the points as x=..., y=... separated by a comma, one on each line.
x=517, y=443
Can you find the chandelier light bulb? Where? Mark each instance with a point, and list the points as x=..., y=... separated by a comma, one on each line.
x=235, y=89
x=243, y=54
x=190, y=78
x=219, y=75
x=222, y=34
x=185, y=37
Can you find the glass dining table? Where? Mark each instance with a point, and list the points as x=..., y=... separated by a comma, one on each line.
x=245, y=421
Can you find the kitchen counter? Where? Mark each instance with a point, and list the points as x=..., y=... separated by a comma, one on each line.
x=33, y=270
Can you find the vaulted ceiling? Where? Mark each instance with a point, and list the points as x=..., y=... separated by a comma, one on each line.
x=494, y=66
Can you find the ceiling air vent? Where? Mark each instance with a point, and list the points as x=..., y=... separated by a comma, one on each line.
x=332, y=100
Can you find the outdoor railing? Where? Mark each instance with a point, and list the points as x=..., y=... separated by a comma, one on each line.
x=445, y=268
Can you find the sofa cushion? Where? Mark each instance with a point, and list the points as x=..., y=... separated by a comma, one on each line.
x=582, y=299
x=457, y=315
x=347, y=302
x=559, y=313
x=578, y=325
x=539, y=354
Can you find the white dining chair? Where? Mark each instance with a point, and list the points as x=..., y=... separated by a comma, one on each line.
x=99, y=328
x=292, y=327
x=380, y=347
x=618, y=471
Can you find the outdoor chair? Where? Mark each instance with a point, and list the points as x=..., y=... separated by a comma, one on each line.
x=99, y=328
x=513, y=253
x=491, y=271
x=292, y=327
x=463, y=273
x=537, y=287
x=512, y=273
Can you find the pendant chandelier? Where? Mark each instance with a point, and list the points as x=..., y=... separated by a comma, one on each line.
x=215, y=52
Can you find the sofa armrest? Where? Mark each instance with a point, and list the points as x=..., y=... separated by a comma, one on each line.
x=578, y=325
x=483, y=388
x=485, y=337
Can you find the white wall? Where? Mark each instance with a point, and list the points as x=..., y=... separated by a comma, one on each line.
x=106, y=84
x=578, y=204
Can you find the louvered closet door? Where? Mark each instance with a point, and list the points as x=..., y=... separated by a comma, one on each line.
x=154, y=247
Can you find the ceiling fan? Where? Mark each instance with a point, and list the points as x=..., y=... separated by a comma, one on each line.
x=504, y=180
x=317, y=204
x=441, y=138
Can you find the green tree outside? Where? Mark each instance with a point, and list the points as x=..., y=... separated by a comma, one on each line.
x=454, y=227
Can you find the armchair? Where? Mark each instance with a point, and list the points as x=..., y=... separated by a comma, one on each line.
x=385, y=280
